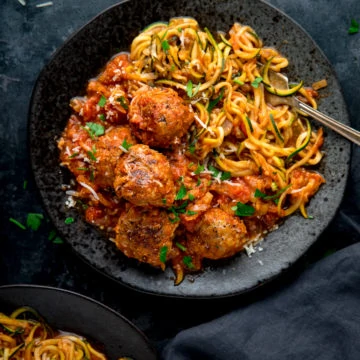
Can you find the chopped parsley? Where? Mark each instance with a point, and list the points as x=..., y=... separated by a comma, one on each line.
x=33, y=220
x=181, y=193
x=199, y=169
x=191, y=197
x=260, y=194
x=239, y=82
x=122, y=102
x=190, y=91
x=73, y=155
x=92, y=153
x=354, y=28
x=102, y=117
x=94, y=129
x=214, y=102
x=25, y=184
x=126, y=145
x=226, y=175
x=187, y=260
x=163, y=253
x=190, y=212
x=17, y=223
x=163, y=201
x=165, y=45
x=54, y=238
x=177, y=210
x=102, y=101
x=243, y=209
x=255, y=84
x=180, y=246
x=69, y=220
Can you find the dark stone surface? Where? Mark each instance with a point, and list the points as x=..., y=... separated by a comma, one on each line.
x=28, y=37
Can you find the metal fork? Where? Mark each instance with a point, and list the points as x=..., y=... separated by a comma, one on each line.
x=281, y=81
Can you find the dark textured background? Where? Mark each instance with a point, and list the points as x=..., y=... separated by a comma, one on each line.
x=28, y=37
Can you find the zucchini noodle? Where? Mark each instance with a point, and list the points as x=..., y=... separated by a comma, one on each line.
x=274, y=140
x=25, y=335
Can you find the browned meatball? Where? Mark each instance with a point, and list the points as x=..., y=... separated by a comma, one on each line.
x=142, y=233
x=143, y=177
x=218, y=235
x=159, y=117
x=107, y=152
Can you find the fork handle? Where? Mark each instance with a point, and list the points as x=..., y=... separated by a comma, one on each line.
x=344, y=130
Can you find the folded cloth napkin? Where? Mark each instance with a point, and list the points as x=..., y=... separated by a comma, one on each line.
x=316, y=317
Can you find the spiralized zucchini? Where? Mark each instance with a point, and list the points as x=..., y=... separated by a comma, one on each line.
x=25, y=335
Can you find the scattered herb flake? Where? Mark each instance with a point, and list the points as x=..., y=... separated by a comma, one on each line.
x=255, y=84
x=33, y=220
x=199, y=169
x=181, y=193
x=163, y=253
x=190, y=212
x=102, y=117
x=180, y=246
x=69, y=220
x=226, y=175
x=187, y=260
x=58, y=240
x=52, y=235
x=126, y=145
x=243, y=209
x=239, y=82
x=165, y=45
x=354, y=28
x=92, y=155
x=191, y=197
x=102, y=101
x=189, y=89
x=214, y=102
x=25, y=184
x=73, y=155
x=122, y=102
x=17, y=223
x=94, y=129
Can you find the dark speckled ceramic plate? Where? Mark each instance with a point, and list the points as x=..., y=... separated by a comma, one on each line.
x=81, y=58
x=68, y=311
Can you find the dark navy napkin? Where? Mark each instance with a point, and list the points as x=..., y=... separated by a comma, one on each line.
x=316, y=317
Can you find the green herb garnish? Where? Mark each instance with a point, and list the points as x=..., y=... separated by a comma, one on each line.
x=33, y=220
x=25, y=184
x=122, y=102
x=126, y=145
x=239, y=82
x=102, y=117
x=102, y=101
x=181, y=193
x=354, y=28
x=69, y=220
x=94, y=129
x=243, y=209
x=214, y=102
x=187, y=260
x=180, y=246
x=165, y=45
x=73, y=155
x=17, y=223
x=163, y=253
x=255, y=84
x=260, y=194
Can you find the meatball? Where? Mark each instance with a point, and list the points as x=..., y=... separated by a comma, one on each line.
x=218, y=235
x=142, y=233
x=143, y=177
x=159, y=117
x=108, y=150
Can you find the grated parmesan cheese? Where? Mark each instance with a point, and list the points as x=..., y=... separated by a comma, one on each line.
x=48, y=3
x=22, y=2
x=95, y=195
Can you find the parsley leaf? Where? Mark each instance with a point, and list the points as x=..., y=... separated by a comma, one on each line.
x=180, y=246
x=226, y=175
x=163, y=253
x=354, y=28
x=239, y=82
x=102, y=101
x=214, y=102
x=69, y=220
x=126, y=145
x=122, y=102
x=94, y=129
x=181, y=193
x=33, y=220
x=165, y=45
x=199, y=169
x=187, y=260
x=17, y=223
x=255, y=84
x=243, y=209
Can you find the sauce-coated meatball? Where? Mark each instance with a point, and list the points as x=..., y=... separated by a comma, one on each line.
x=143, y=177
x=159, y=117
x=142, y=233
x=218, y=235
x=108, y=152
